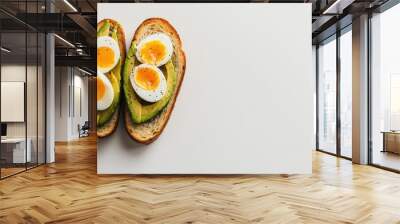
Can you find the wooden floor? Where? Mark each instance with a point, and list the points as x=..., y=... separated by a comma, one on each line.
x=5, y=172
x=69, y=191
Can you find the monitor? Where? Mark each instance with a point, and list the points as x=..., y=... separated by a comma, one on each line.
x=3, y=129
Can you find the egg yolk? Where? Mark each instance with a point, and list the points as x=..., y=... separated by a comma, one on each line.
x=147, y=79
x=101, y=89
x=105, y=57
x=153, y=52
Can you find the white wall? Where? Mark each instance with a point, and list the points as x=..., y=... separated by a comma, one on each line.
x=80, y=84
x=246, y=103
x=61, y=103
x=69, y=82
x=14, y=72
x=314, y=73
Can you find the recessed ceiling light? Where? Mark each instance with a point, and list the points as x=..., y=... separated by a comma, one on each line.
x=84, y=71
x=331, y=7
x=5, y=50
x=65, y=41
x=70, y=5
x=337, y=7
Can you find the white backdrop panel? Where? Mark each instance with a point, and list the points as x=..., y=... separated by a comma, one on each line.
x=246, y=103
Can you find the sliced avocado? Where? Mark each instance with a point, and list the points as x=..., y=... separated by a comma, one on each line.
x=114, y=76
x=140, y=111
x=104, y=29
x=105, y=115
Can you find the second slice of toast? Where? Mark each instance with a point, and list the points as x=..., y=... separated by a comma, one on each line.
x=148, y=131
x=110, y=126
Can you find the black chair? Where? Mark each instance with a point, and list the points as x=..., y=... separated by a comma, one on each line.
x=84, y=130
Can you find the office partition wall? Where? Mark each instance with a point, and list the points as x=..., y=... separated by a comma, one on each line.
x=22, y=88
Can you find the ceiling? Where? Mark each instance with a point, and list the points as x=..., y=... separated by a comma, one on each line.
x=75, y=21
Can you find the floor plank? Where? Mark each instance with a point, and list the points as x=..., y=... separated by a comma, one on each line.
x=69, y=191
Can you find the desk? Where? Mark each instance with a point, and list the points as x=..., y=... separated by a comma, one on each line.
x=15, y=148
x=391, y=141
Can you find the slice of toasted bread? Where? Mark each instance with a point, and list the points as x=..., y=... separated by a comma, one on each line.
x=110, y=126
x=149, y=131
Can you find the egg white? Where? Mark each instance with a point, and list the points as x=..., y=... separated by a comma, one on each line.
x=106, y=41
x=108, y=97
x=163, y=38
x=150, y=96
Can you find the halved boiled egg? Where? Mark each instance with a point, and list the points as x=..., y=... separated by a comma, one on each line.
x=108, y=53
x=149, y=82
x=155, y=49
x=105, y=92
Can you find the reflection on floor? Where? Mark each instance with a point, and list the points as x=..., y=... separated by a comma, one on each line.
x=11, y=169
x=346, y=152
x=70, y=191
x=387, y=159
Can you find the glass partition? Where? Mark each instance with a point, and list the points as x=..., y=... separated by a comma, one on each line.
x=13, y=94
x=41, y=97
x=22, y=77
x=32, y=87
x=32, y=98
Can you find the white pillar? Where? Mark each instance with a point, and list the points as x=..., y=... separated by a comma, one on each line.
x=360, y=90
x=50, y=92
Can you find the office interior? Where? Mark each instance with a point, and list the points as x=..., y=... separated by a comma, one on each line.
x=48, y=88
x=25, y=86
x=335, y=75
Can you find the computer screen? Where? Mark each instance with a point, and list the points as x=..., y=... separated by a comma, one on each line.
x=3, y=129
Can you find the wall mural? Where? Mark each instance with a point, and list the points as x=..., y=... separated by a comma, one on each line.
x=242, y=88
x=142, y=85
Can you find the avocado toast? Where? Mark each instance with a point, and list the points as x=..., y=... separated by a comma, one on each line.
x=144, y=120
x=107, y=118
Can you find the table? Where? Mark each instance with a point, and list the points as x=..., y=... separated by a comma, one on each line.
x=18, y=150
x=391, y=141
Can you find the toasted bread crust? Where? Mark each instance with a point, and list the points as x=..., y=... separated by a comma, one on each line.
x=109, y=127
x=149, y=131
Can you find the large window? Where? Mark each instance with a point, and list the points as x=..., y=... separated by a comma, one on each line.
x=385, y=89
x=335, y=74
x=327, y=96
x=346, y=93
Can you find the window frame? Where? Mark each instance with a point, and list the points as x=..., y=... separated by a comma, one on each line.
x=336, y=36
